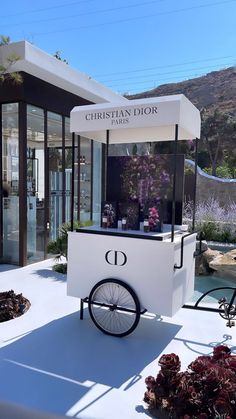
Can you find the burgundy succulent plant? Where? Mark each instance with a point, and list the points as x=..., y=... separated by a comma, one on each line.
x=206, y=390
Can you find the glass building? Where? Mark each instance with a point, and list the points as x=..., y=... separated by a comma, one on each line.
x=37, y=152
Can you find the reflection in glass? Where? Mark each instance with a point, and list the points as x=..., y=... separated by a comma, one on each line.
x=54, y=143
x=85, y=179
x=10, y=183
x=97, y=187
x=68, y=169
x=35, y=184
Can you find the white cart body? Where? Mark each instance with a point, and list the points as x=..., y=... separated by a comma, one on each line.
x=144, y=264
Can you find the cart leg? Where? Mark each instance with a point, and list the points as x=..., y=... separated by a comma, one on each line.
x=81, y=309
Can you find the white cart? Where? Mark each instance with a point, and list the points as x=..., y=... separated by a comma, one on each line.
x=120, y=275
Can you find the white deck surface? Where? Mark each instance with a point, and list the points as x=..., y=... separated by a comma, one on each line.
x=51, y=361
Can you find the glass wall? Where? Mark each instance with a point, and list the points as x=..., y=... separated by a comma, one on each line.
x=54, y=143
x=10, y=183
x=68, y=169
x=48, y=196
x=97, y=181
x=85, y=179
x=35, y=184
x=76, y=180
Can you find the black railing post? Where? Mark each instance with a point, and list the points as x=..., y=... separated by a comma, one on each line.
x=72, y=184
x=105, y=164
x=195, y=185
x=174, y=183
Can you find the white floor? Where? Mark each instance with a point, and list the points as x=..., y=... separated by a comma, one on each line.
x=52, y=361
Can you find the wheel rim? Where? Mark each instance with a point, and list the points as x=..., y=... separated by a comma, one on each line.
x=113, y=320
x=231, y=313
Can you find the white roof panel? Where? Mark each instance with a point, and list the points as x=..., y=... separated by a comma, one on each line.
x=46, y=67
x=140, y=120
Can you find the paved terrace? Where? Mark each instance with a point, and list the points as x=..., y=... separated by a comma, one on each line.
x=53, y=362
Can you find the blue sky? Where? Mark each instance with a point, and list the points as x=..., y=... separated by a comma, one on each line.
x=129, y=45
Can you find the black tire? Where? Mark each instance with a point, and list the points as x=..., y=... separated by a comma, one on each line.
x=230, y=315
x=117, y=311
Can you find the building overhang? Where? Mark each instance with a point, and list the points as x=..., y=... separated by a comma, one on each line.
x=38, y=63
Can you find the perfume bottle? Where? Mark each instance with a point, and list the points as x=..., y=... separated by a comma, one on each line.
x=146, y=227
x=124, y=223
x=104, y=221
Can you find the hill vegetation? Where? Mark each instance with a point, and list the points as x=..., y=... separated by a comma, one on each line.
x=216, y=90
x=215, y=96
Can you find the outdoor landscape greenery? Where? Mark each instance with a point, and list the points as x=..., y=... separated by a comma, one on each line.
x=5, y=73
x=58, y=247
x=215, y=96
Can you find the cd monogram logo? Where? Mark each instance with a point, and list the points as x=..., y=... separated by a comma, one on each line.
x=116, y=257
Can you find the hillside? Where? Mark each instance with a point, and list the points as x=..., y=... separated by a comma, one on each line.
x=214, y=90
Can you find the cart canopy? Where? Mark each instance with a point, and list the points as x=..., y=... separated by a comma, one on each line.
x=141, y=120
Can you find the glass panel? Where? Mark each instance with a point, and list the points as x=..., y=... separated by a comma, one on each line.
x=35, y=184
x=85, y=179
x=10, y=179
x=97, y=180
x=55, y=173
x=76, y=175
x=68, y=169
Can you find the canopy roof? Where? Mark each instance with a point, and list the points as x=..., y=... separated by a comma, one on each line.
x=140, y=120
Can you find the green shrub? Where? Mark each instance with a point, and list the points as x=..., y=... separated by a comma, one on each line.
x=209, y=230
x=221, y=171
x=217, y=223
x=58, y=247
x=60, y=267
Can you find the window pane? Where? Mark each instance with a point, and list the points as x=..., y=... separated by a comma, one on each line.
x=85, y=179
x=68, y=169
x=10, y=179
x=55, y=172
x=97, y=179
x=35, y=184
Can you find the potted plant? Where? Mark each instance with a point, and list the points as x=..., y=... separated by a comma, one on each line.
x=58, y=247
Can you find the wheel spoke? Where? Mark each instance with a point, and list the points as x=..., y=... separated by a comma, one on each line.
x=109, y=319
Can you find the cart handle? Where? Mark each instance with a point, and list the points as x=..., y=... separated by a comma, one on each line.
x=182, y=250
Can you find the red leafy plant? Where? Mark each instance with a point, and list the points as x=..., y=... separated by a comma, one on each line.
x=206, y=390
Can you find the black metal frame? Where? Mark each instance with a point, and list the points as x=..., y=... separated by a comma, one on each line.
x=63, y=171
x=1, y=193
x=72, y=184
x=182, y=251
x=86, y=301
x=91, y=182
x=174, y=183
x=195, y=184
x=22, y=116
x=46, y=184
x=227, y=311
x=119, y=234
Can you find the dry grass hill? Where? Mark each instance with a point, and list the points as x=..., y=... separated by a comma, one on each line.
x=214, y=90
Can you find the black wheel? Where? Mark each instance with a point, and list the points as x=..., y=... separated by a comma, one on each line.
x=114, y=307
x=230, y=315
